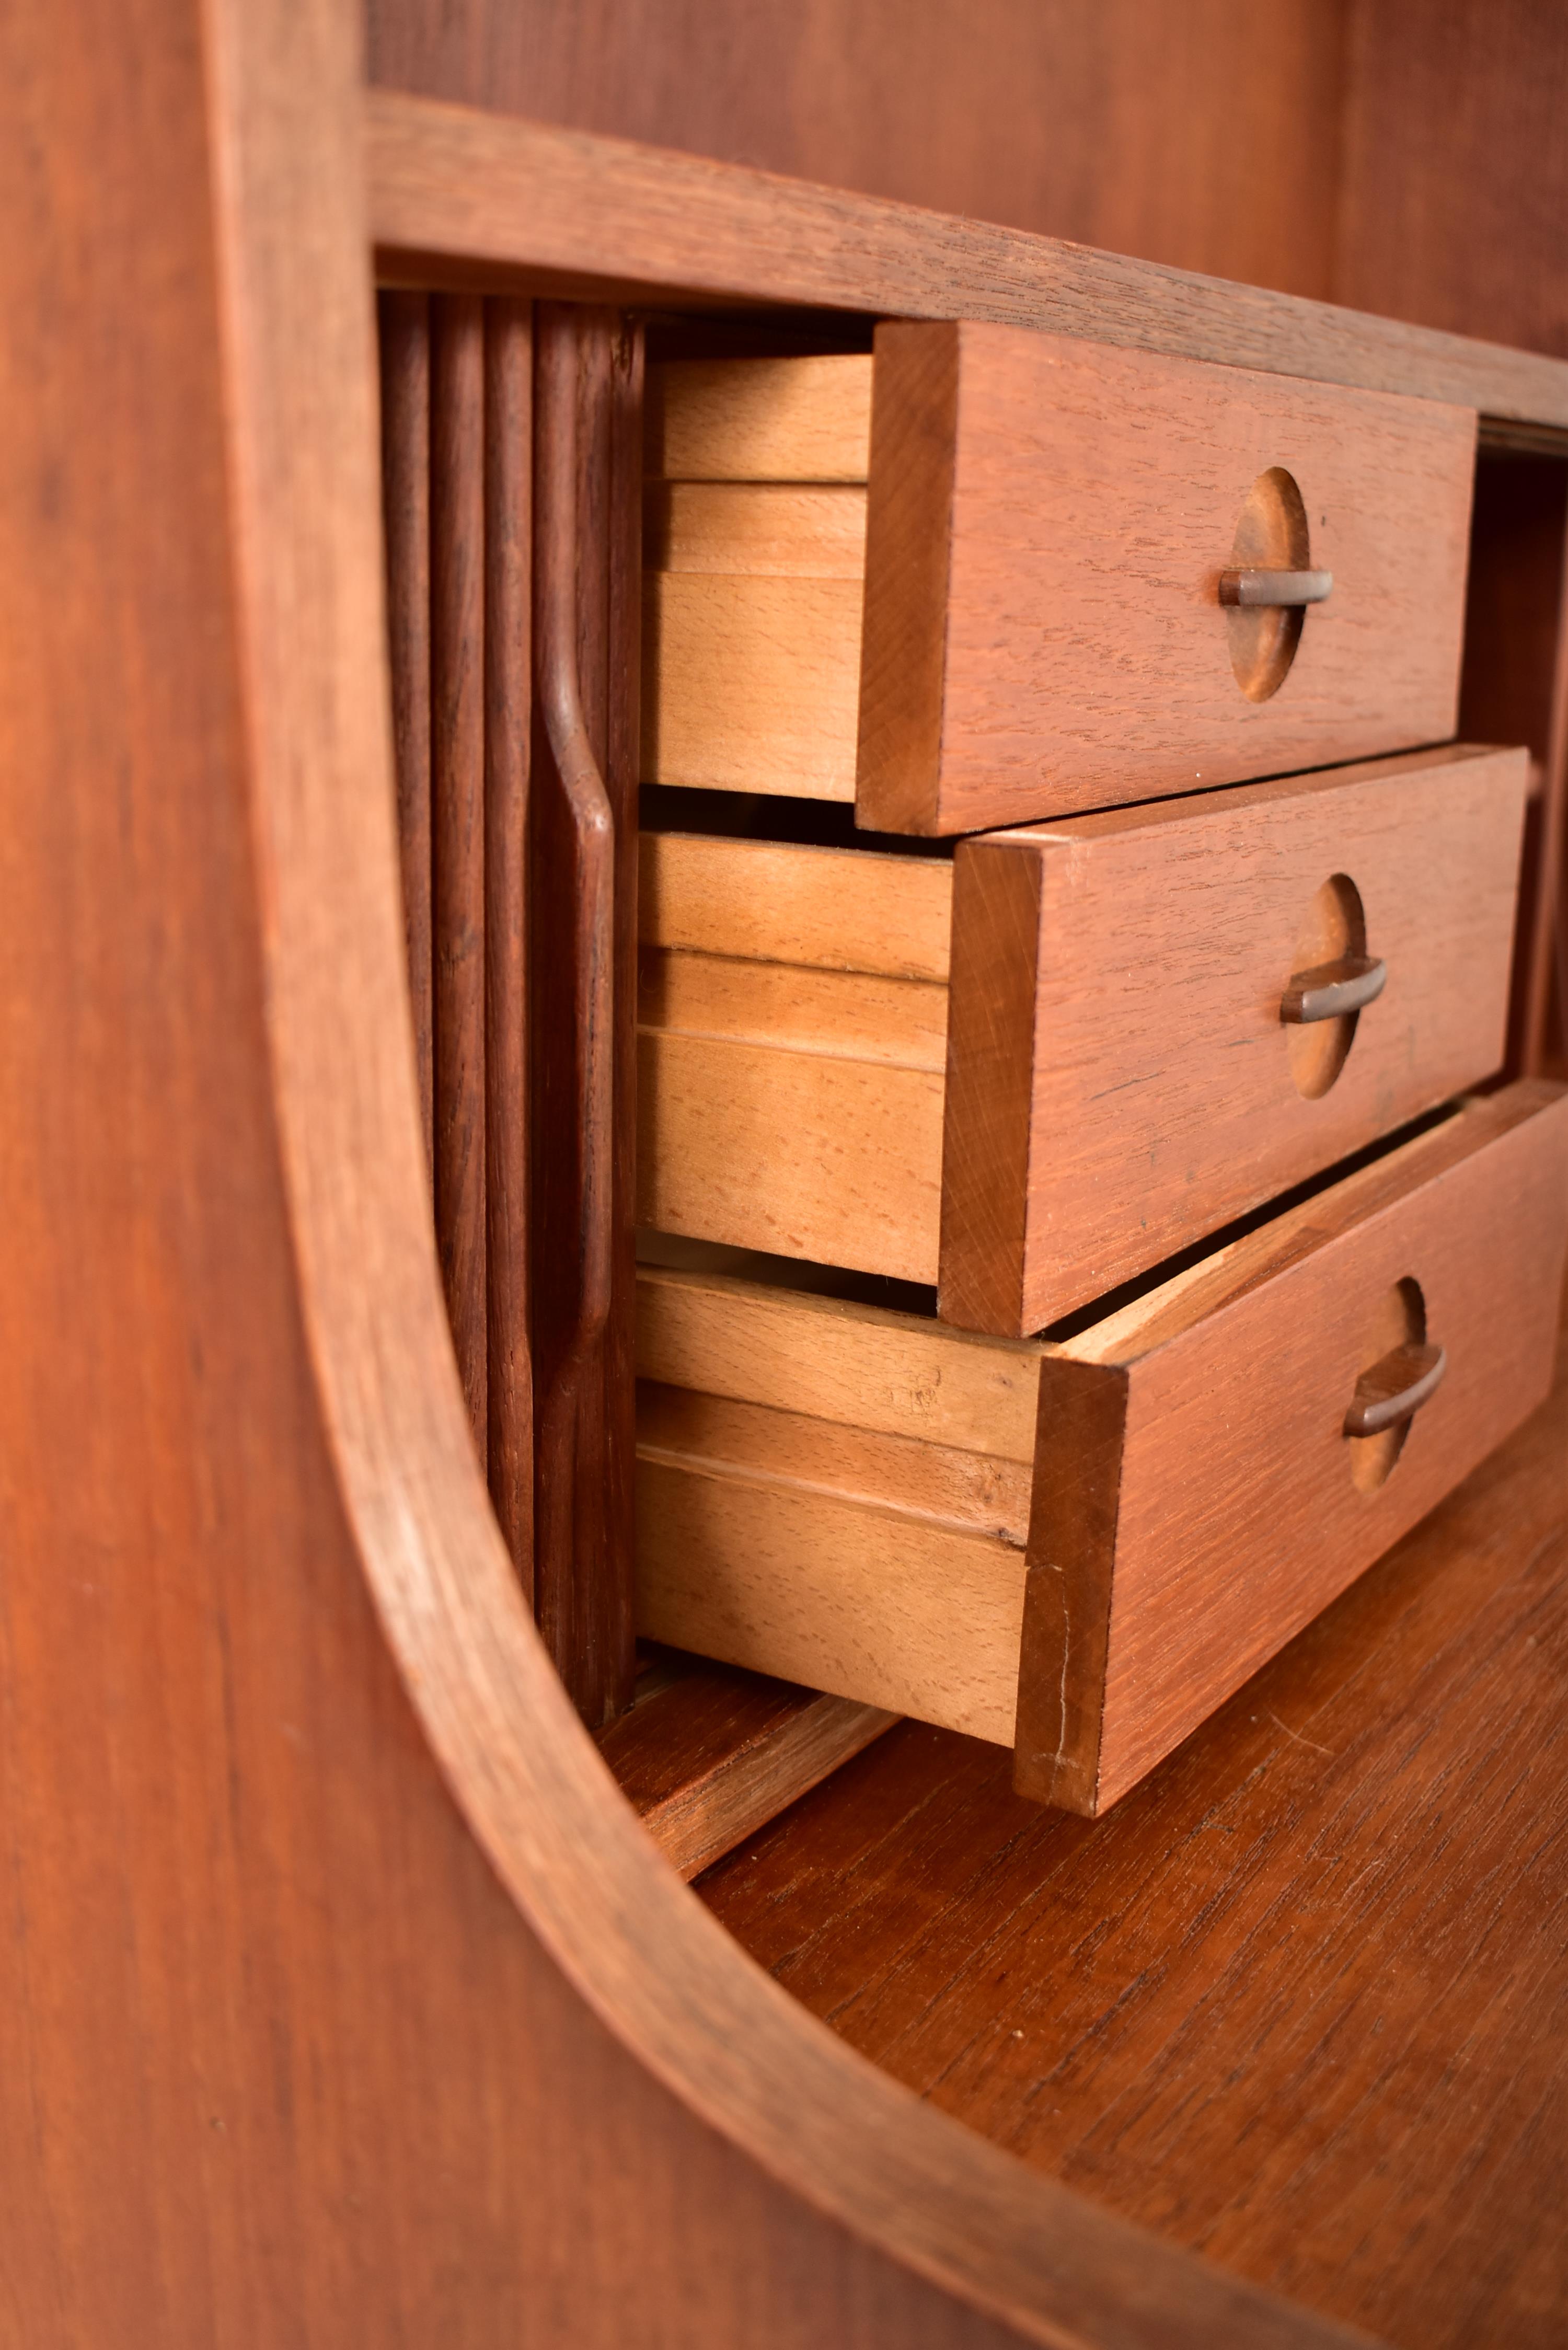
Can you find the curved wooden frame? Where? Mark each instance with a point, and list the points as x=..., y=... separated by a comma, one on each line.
x=985, y=2236
x=306, y=2045
x=634, y=1944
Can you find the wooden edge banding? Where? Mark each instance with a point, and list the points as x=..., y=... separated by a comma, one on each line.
x=459, y=194
x=1067, y=1596
x=908, y=536
x=993, y=993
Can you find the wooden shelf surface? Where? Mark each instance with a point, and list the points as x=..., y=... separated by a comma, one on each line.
x=1300, y=2003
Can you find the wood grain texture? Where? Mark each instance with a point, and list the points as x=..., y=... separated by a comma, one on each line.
x=1545, y=1040
x=1195, y=1499
x=840, y=1014
x=508, y=733
x=789, y=529
x=585, y=901
x=457, y=193
x=895, y=1374
x=750, y=684
x=1070, y=1590
x=403, y=322
x=1455, y=167
x=1208, y=139
x=949, y=1481
x=709, y=1756
x=995, y=1045
x=1104, y=489
x=1295, y=2000
x=790, y=420
x=623, y=633
x=804, y=1154
x=1517, y=530
x=910, y=549
x=354, y=2005
x=1514, y=689
x=814, y=908
x=457, y=826
x=893, y=1606
x=1236, y=1513
x=1119, y=1079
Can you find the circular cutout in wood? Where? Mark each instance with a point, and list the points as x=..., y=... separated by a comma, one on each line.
x=1400, y=1320
x=1272, y=535
x=1334, y=930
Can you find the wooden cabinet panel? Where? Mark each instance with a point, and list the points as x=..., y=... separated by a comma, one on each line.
x=830, y=1493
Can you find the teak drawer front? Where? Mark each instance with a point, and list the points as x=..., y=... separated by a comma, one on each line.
x=1036, y=625
x=1119, y=1078
x=836, y=1495
x=1034, y=1074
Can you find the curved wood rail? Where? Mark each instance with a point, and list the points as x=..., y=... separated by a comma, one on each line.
x=593, y=831
x=345, y=1999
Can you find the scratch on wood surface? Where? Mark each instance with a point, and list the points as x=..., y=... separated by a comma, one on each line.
x=1300, y=1741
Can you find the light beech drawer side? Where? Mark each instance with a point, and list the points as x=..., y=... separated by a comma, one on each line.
x=835, y=1494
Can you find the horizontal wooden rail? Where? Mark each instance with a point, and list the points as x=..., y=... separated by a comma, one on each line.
x=461, y=197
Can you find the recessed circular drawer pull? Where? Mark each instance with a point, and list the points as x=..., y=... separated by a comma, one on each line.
x=1274, y=588
x=1395, y=1388
x=1331, y=990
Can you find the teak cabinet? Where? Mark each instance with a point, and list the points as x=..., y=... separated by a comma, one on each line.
x=346, y=1996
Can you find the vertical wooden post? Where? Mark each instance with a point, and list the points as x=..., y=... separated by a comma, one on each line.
x=583, y=1578
x=593, y=1570
x=405, y=482
x=508, y=719
x=457, y=829
x=623, y=686
x=1548, y=952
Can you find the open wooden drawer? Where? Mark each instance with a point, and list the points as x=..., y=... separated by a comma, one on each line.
x=1080, y=1547
x=995, y=575
x=1034, y=1072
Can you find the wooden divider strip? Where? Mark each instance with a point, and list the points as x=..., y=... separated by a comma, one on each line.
x=508, y=721
x=405, y=348
x=457, y=826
